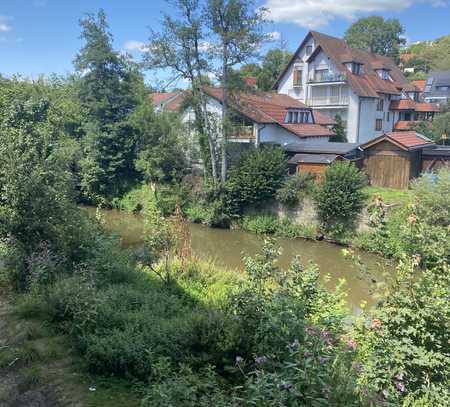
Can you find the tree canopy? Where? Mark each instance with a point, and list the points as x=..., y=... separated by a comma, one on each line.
x=380, y=36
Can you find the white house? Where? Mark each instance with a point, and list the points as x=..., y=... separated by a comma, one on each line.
x=258, y=117
x=362, y=87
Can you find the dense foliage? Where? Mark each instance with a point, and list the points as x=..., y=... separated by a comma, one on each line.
x=340, y=198
x=295, y=188
x=380, y=36
x=257, y=177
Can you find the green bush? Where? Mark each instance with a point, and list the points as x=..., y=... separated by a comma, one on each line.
x=340, y=198
x=419, y=228
x=257, y=177
x=263, y=224
x=295, y=188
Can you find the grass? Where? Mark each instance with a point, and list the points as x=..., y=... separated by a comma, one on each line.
x=38, y=361
x=389, y=195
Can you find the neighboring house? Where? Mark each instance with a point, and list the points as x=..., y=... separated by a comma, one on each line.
x=168, y=100
x=393, y=159
x=437, y=88
x=263, y=117
x=408, y=112
x=420, y=85
x=328, y=75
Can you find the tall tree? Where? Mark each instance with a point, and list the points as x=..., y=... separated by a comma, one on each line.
x=378, y=35
x=181, y=46
x=272, y=65
x=237, y=26
x=339, y=130
x=107, y=94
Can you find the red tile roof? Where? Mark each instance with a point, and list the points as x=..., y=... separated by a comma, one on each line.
x=402, y=125
x=250, y=81
x=368, y=84
x=406, y=140
x=159, y=98
x=409, y=104
x=169, y=100
x=419, y=84
x=271, y=108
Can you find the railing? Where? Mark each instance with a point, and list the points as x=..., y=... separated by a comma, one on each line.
x=327, y=77
x=242, y=132
x=328, y=101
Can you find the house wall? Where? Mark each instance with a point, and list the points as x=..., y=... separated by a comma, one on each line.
x=389, y=166
x=272, y=133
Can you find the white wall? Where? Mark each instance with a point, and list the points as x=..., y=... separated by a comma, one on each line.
x=272, y=133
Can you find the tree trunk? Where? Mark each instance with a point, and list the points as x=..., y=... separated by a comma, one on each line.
x=223, y=141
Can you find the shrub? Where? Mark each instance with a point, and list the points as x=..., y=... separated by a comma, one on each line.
x=340, y=198
x=263, y=224
x=294, y=189
x=257, y=177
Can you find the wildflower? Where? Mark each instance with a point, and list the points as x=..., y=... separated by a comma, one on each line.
x=286, y=386
x=400, y=387
x=323, y=360
x=416, y=259
x=385, y=393
x=399, y=376
x=239, y=359
x=412, y=218
x=260, y=359
x=307, y=353
x=376, y=324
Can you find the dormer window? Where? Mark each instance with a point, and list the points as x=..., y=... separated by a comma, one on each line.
x=384, y=74
x=355, y=68
x=297, y=116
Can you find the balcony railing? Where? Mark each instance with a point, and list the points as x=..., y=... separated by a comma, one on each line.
x=328, y=101
x=318, y=77
x=242, y=132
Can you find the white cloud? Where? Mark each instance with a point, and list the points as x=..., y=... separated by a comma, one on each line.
x=133, y=45
x=274, y=36
x=318, y=13
x=4, y=24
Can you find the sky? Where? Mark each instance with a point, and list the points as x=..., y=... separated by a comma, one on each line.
x=42, y=36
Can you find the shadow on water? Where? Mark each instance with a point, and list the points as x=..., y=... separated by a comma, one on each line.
x=228, y=247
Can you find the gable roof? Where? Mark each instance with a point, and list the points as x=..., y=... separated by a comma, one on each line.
x=406, y=140
x=271, y=108
x=368, y=84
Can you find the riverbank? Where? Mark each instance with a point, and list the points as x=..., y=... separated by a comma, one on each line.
x=40, y=368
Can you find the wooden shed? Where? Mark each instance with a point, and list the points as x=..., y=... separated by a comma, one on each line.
x=436, y=158
x=313, y=163
x=393, y=159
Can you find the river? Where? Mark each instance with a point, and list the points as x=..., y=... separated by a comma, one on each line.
x=227, y=248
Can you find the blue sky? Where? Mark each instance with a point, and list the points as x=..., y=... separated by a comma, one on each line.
x=42, y=36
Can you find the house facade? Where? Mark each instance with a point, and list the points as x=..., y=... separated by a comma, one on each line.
x=259, y=117
x=437, y=88
x=329, y=76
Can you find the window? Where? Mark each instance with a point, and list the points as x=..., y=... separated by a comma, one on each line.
x=309, y=50
x=388, y=116
x=384, y=74
x=380, y=105
x=378, y=124
x=443, y=88
x=298, y=78
x=297, y=116
x=321, y=75
x=356, y=68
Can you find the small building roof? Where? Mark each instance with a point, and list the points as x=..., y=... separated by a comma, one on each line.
x=419, y=84
x=321, y=148
x=169, y=100
x=409, y=104
x=436, y=81
x=271, y=108
x=313, y=158
x=440, y=151
x=406, y=140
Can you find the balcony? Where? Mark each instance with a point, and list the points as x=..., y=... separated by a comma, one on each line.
x=242, y=133
x=328, y=101
x=320, y=77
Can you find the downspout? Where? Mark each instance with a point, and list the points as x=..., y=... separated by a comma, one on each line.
x=257, y=139
x=358, y=119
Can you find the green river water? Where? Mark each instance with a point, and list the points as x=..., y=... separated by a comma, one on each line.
x=227, y=248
